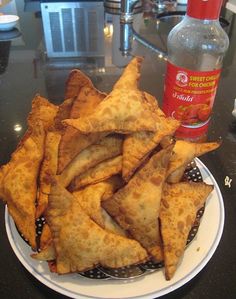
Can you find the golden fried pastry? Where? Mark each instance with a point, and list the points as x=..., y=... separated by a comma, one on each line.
x=80, y=243
x=153, y=102
x=62, y=113
x=131, y=74
x=166, y=141
x=124, y=110
x=75, y=81
x=48, y=253
x=105, y=150
x=136, y=206
x=45, y=237
x=179, y=206
x=48, y=168
x=184, y=152
x=90, y=200
x=98, y=173
x=91, y=196
x=111, y=225
x=108, y=147
x=138, y=145
x=42, y=110
x=86, y=101
x=19, y=181
x=115, y=182
x=73, y=141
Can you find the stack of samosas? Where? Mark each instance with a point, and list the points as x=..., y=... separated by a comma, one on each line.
x=105, y=172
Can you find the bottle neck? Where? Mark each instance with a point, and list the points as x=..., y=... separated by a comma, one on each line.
x=204, y=9
x=190, y=19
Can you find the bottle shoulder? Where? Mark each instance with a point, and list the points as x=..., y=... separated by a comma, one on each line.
x=192, y=33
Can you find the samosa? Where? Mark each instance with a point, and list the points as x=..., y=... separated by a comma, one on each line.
x=139, y=145
x=19, y=181
x=98, y=173
x=75, y=81
x=108, y=147
x=42, y=110
x=183, y=153
x=47, y=169
x=179, y=206
x=124, y=110
x=73, y=141
x=63, y=112
x=136, y=206
x=81, y=244
x=90, y=198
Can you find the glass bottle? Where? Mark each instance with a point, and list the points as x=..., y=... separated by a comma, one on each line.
x=196, y=47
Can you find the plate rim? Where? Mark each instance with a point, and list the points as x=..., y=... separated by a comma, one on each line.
x=13, y=18
x=168, y=289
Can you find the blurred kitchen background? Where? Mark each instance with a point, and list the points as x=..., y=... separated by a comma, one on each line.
x=56, y=36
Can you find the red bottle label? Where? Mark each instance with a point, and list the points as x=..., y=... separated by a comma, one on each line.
x=189, y=97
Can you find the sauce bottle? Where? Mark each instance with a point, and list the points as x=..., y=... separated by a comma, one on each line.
x=196, y=47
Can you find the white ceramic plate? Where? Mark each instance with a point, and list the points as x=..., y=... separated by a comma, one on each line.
x=8, y=22
x=196, y=256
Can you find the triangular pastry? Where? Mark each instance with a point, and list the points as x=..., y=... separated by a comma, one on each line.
x=75, y=81
x=73, y=141
x=62, y=113
x=138, y=145
x=42, y=110
x=135, y=207
x=47, y=169
x=98, y=173
x=124, y=110
x=108, y=147
x=80, y=243
x=19, y=182
x=90, y=198
x=179, y=206
x=183, y=153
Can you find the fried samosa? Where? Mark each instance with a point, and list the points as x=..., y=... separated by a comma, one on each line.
x=80, y=243
x=48, y=168
x=179, y=206
x=75, y=81
x=19, y=181
x=184, y=152
x=98, y=173
x=138, y=145
x=42, y=110
x=136, y=206
x=108, y=147
x=91, y=196
x=124, y=110
x=73, y=141
x=111, y=225
x=62, y=113
x=131, y=75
